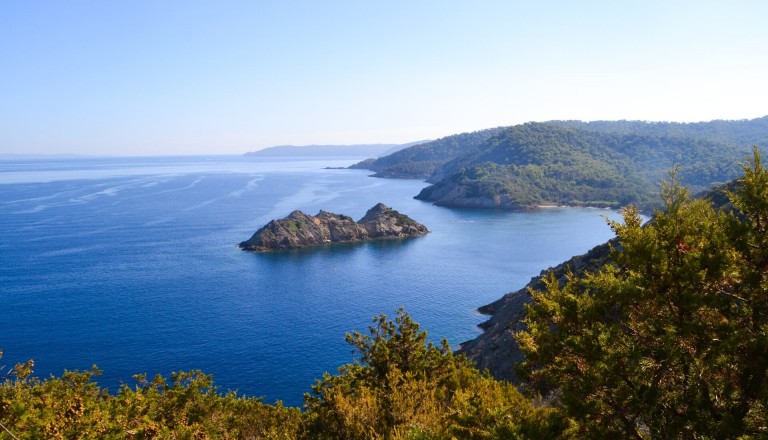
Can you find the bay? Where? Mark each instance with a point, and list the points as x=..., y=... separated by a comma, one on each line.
x=131, y=264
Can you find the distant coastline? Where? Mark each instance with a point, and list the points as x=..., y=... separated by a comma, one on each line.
x=355, y=150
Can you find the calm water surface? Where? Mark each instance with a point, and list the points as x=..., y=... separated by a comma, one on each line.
x=132, y=264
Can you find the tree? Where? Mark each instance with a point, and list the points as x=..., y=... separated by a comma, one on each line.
x=74, y=406
x=404, y=387
x=670, y=341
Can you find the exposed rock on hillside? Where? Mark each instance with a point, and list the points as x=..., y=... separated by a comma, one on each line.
x=301, y=230
x=456, y=194
x=496, y=349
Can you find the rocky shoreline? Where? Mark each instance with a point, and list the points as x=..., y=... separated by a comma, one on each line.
x=496, y=348
x=300, y=230
x=458, y=196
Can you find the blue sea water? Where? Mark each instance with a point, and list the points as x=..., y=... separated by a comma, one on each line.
x=131, y=264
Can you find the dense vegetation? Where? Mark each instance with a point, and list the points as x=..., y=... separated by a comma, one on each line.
x=490, y=185
x=668, y=340
x=400, y=388
x=420, y=161
x=534, y=164
x=571, y=162
x=73, y=406
x=740, y=132
x=671, y=340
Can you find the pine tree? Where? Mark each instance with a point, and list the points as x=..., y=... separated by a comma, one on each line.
x=670, y=341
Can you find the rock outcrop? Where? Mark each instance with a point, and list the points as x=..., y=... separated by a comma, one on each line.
x=496, y=349
x=301, y=230
x=453, y=194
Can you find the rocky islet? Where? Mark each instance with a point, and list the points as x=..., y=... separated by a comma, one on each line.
x=299, y=230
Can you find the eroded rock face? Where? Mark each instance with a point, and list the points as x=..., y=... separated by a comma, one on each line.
x=301, y=230
x=496, y=349
x=454, y=195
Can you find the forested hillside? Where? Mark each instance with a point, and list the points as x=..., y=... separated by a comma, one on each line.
x=744, y=133
x=671, y=339
x=541, y=164
x=496, y=349
x=420, y=161
x=605, y=164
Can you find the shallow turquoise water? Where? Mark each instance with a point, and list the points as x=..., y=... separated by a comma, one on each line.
x=132, y=264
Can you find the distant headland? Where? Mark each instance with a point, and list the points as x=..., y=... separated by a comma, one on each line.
x=352, y=151
x=603, y=164
x=300, y=230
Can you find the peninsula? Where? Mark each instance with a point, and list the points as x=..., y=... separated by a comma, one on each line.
x=300, y=230
x=605, y=164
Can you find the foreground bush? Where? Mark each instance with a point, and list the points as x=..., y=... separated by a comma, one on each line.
x=405, y=388
x=671, y=341
x=401, y=388
x=73, y=406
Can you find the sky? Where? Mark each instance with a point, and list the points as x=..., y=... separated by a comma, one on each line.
x=168, y=77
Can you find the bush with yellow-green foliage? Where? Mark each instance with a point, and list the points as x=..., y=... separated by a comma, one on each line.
x=406, y=388
x=670, y=341
x=73, y=406
x=402, y=387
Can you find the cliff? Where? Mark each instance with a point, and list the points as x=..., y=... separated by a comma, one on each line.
x=496, y=349
x=458, y=192
x=302, y=230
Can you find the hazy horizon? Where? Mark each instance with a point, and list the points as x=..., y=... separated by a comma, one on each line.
x=162, y=153
x=190, y=78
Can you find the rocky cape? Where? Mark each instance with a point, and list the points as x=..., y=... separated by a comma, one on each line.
x=300, y=230
x=604, y=164
x=496, y=349
x=454, y=194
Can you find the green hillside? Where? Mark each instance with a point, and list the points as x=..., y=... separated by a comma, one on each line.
x=743, y=133
x=574, y=163
x=420, y=161
x=544, y=164
x=670, y=340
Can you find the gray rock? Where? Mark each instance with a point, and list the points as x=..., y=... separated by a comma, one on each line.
x=496, y=349
x=301, y=230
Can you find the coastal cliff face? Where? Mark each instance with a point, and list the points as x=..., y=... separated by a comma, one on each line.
x=455, y=195
x=301, y=230
x=496, y=349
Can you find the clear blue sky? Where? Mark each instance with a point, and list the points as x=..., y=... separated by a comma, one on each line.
x=136, y=77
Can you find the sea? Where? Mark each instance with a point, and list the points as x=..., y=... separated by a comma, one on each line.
x=131, y=264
